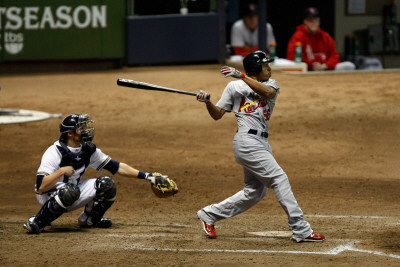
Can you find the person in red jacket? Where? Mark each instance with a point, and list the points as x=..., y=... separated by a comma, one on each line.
x=318, y=47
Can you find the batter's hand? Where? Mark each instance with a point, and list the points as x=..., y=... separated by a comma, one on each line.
x=203, y=96
x=229, y=71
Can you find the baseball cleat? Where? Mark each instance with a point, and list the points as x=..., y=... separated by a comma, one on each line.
x=32, y=227
x=209, y=229
x=85, y=221
x=103, y=223
x=314, y=237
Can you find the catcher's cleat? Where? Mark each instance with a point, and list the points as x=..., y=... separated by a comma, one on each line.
x=32, y=227
x=85, y=221
x=209, y=229
x=314, y=237
x=103, y=223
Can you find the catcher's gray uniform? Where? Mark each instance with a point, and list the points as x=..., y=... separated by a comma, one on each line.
x=253, y=152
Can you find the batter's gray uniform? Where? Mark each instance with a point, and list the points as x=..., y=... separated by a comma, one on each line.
x=253, y=152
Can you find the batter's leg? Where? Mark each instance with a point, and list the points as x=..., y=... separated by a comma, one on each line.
x=253, y=192
x=283, y=191
x=256, y=156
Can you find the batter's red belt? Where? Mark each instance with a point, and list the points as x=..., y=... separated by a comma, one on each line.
x=255, y=132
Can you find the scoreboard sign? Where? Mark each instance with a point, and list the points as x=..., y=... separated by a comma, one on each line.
x=61, y=29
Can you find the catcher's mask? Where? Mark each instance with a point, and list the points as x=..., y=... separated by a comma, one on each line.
x=75, y=122
x=253, y=62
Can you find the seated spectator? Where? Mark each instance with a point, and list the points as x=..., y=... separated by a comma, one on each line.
x=244, y=32
x=318, y=47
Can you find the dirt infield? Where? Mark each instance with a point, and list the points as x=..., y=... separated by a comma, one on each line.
x=336, y=136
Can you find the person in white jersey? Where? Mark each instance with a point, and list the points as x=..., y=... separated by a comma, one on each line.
x=244, y=32
x=59, y=187
x=252, y=98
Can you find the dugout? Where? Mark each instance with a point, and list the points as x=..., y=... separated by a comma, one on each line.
x=167, y=32
x=102, y=34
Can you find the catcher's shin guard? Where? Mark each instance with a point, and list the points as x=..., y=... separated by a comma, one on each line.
x=53, y=208
x=106, y=193
x=50, y=211
x=95, y=216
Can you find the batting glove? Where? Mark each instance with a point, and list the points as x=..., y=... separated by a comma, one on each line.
x=203, y=96
x=229, y=71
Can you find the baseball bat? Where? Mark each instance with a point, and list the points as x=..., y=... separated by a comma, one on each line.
x=149, y=86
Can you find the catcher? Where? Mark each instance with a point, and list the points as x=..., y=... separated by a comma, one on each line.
x=59, y=187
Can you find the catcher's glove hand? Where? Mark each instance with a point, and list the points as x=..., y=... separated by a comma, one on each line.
x=163, y=186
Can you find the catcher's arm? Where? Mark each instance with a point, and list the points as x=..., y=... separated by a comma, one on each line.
x=49, y=181
x=126, y=170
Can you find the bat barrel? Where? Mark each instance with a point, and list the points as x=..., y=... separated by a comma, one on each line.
x=149, y=86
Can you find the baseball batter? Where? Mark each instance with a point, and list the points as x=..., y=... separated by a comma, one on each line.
x=252, y=98
x=59, y=187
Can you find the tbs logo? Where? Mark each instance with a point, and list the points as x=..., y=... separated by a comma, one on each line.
x=13, y=42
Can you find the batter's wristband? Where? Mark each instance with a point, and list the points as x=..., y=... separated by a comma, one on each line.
x=242, y=76
x=208, y=103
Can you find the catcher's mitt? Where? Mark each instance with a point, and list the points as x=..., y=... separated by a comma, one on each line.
x=163, y=186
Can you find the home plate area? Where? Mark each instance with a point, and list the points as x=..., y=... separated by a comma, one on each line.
x=190, y=239
x=332, y=247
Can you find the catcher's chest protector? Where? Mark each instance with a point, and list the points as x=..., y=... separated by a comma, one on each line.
x=76, y=160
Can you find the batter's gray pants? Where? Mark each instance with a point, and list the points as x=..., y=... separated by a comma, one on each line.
x=261, y=171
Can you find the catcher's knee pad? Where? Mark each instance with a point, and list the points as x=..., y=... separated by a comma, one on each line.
x=51, y=210
x=67, y=195
x=106, y=188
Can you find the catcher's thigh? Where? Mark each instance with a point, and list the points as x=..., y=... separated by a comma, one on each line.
x=88, y=192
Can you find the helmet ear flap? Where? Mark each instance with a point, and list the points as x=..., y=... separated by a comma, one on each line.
x=64, y=137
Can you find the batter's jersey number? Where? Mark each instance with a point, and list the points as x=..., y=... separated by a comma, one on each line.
x=267, y=114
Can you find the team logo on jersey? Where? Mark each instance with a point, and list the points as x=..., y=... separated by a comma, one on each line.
x=78, y=158
x=252, y=106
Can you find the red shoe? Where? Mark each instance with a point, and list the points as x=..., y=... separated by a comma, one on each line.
x=314, y=237
x=209, y=229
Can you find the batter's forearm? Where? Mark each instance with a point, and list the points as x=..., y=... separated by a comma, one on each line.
x=260, y=88
x=215, y=112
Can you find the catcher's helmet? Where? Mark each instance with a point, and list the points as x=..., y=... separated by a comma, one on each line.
x=77, y=121
x=252, y=63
